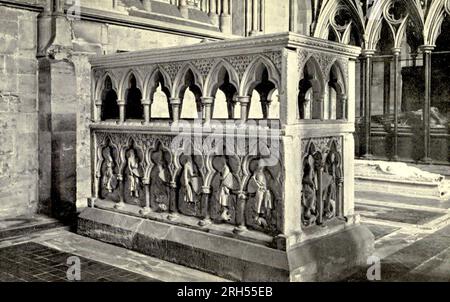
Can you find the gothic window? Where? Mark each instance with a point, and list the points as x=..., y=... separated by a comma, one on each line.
x=311, y=92
x=134, y=108
x=191, y=104
x=337, y=98
x=159, y=95
x=224, y=103
x=274, y=105
x=259, y=95
x=160, y=105
x=110, y=108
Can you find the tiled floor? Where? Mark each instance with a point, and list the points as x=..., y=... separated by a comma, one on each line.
x=412, y=236
x=33, y=262
x=412, y=240
x=35, y=254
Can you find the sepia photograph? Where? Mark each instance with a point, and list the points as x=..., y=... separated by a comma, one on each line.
x=205, y=144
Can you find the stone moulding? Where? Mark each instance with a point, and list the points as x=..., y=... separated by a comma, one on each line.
x=226, y=48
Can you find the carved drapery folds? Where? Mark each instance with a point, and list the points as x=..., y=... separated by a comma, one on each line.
x=322, y=180
x=161, y=173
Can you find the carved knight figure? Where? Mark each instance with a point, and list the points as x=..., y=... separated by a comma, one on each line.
x=134, y=174
x=109, y=179
x=225, y=188
x=263, y=197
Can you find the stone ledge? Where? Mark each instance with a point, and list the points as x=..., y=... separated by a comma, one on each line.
x=329, y=258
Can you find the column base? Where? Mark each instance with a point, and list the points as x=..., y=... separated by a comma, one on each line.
x=367, y=156
x=329, y=258
x=254, y=33
x=426, y=161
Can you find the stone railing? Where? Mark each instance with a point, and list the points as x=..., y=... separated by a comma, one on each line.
x=219, y=136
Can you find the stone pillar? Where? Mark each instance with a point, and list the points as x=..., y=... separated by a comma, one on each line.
x=184, y=10
x=173, y=204
x=255, y=23
x=207, y=106
x=290, y=78
x=121, y=202
x=265, y=103
x=147, y=110
x=240, y=213
x=98, y=110
x=58, y=110
x=262, y=11
x=387, y=87
x=121, y=104
x=427, y=104
x=213, y=12
x=225, y=17
x=147, y=208
x=367, y=99
x=397, y=67
x=231, y=103
x=318, y=107
x=59, y=6
x=244, y=101
x=205, y=207
x=147, y=5
x=293, y=11
x=175, y=103
x=341, y=107
x=290, y=145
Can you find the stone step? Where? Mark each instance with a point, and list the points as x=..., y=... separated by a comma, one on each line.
x=12, y=227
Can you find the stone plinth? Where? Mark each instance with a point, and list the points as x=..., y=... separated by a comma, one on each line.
x=229, y=257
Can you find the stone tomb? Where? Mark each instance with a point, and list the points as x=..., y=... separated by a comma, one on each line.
x=232, y=157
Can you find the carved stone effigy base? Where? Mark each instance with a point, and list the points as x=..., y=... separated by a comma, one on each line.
x=399, y=178
x=262, y=193
x=332, y=258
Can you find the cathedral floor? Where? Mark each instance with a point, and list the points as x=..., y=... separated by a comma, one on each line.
x=412, y=242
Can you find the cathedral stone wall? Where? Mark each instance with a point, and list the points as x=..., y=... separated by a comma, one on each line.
x=45, y=97
x=18, y=112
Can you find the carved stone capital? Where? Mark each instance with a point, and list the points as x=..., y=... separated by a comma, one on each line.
x=206, y=100
x=175, y=101
x=244, y=100
x=427, y=48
